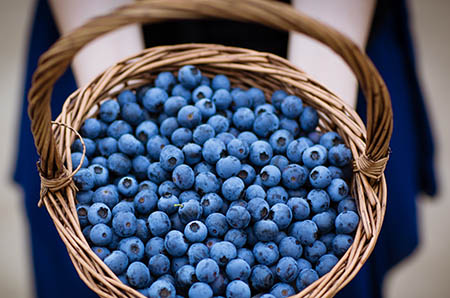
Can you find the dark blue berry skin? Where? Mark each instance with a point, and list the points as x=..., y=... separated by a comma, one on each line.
x=124, y=224
x=264, y=108
x=282, y=290
x=295, y=150
x=305, y=278
x=206, y=182
x=258, y=208
x=287, y=270
x=173, y=104
x=145, y=201
x=128, y=186
x=155, y=144
x=247, y=174
x=261, y=278
x=243, y=119
x=280, y=214
x=260, y=153
x=341, y=243
x=325, y=264
x=130, y=146
x=294, y=176
x=255, y=191
x=207, y=270
x=189, y=76
x=168, y=126
x=91, y=146
x=133, y=248
x=335, y=172
x=347, y=204
x=265, y=124
x=189, y=211
x=159, y=265
x=195, y=231
x=185, y=276
x=139, y=166
x=314, y=251
x=146, y=130
x=303, y=264
x=280, y=236
x=324, y=221
x=186, y=196
x=179, y=90
x=220, y=82
x=277, y=98
x=176, y=222
x=197, y=252
x=162, y=288
x=270, y=176
x=290, y=125
x=168, y=278
x=109, y=110
x=200, y=290
x=237, y=237
x=246, y=255
x=217, y=224
x=266, y=253
x=291, y=106
x=126, y=96
x=267, y=296
x=192, y=153
x=319, y=200
x=189, y=116
x=305, y=231
x=280, y=140
x=225, y=137
x=232, y=188
x=154, y=246
x=248, y=137
x=330, y=139
x=309, y=119
x=213, y=150
x=142, y=230
x=201, y=92
x=338, y=190
x=177, y=263
x=100, y=234
x=165, y=80
x=170, y=157
x=183, y=176
x=154, y=99
x=76, y=160
x=240, y=99
x=320, y=177
x=256, y=96
x=219, y=123
x=148, y=185
x=100, y=160
x=181, y=136
x=238, y=148
x=339, y=155
x=276, y=194
x=314, y=156
x=222, y=99
x=118, y=128
x=240, y=202
x=265, y=230
x=290, y=247
x=159, y=223
x=119, y=164
x=346, y=222
x=300, y=208
x=175, y=243
x=123, y=206
x=156, y=173
x=211, y=203
x=202, y=133
x=85, y=197
x=99, y=213
x=91, y=128
x=84, y=179
x=222, y=252
x=238, y=217
x=238, y=289
x=207, y=107
x=117, y=261
x=86, y=232
x=327, y=239
x=168, y=203
x=132, y=113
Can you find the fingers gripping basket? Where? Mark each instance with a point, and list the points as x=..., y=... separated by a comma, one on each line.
x=244, y=68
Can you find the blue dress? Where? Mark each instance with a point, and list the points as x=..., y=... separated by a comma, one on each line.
x=409, y=172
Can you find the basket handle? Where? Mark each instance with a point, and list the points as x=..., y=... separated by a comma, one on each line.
x=55, y=61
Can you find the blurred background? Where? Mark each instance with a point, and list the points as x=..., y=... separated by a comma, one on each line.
x=424, y=274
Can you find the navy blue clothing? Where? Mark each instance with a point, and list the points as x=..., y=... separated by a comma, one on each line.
x=409, y=171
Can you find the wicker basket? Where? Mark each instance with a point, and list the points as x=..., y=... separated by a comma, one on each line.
x=244, y=68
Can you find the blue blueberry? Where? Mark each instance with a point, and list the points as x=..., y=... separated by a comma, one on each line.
x=213, y=150
x=189, y=76
x=228, y=166
x=339, y=155
x=100, y=160
x=335, y=172
x=175, y=243
x=192, y=153
x=220, y=82
x=325, y=264
x=202, y=133
x=347, y=204
x=276, y=194
x=291, y=106
x=256, y=96
x=183, y=176
x=327, y=239
x=118, y=128
x=127, y=186
x=290, y=125
x=237, y=237
x=346, y=222
x=238, y=217
x=295, y=150
x=280, y=236
x=188, y=195
x=91, y=128
x=319, y=200
x=177, y=263
x=85, y=197
x=132, y=113
x=100, y=234
x=243, y=119
x=168, y=126
x=277, y=98
x=314, y=156
x=207, y=270
x=258, y=208
x=341, y=243
x=261, y=278
x=156, y=173
x=146, y=130
x=282, y=290
x=260, y=153
x=305, y=278
x=173, y=104
x=126, y=96
x=222, y=252
x=255, y=191
x=84, y=179
x=207, y=107
x=225, y=137
x=320, y=177
x=195, y=231
x=267, y=296
x=171, y=157
x=154, y=246
x=246, y=255
x=142, y=230
x=338, y=190
x=145, y=201
x=176, y=222
x=117, y=261
x=155, y=144
x=248, y=137
x=159, y=265
x=189, y=211
x=270, y=175
x=287, y=270
x=300, y=208
x=90, y=146
x=290, y=247
x=314, y=251
x=124, y=224
x=76, y=160
x=119, y=164
x=189, y=116
x=168, y=203
x=303, y=264
x=219, y=123
x=280, y=214
x=201, y=92
x=324, y=221
x=133, y=248
x=162, y=289
x=265, y=230
x=200, y=290
x=265, y=124
x=165, y=80
x=99, y=213
x=309, y=119
x=238, y=289
x=129, y=145
x=222, y=99
x=185, y=276
x=109, y=110
x=305, y=231
x=217, y=224
x=197, y=252
x=280, y=140
x=266, y=253
x=240, y=99
x=159, y=223
x=107, y=195
x=179, y=90
x=211, y=203
x=123, y=206
x=154, y=99
x=330, y=139
x=206, y=182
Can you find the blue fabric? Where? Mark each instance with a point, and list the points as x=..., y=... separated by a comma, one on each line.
x=409, y=171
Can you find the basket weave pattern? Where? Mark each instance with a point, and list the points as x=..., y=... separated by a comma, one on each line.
x=245, y=68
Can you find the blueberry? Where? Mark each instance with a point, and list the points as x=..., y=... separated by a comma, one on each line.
x=265, y=124
x=324, y=221
x=188, y=195
x=154, y=99
x=222, y=252
x=256, y=96
x=330, y=139
x=290, y=247
x=117, y=261
x=170, y=157
x=320, y=177
x=177, y=263
x=165, y=80
x=124, y=224
x=314, y=156
x=206, y=106
x=276, y=194
x=207, y=270
x=181, y=136
x=327, y=239
x=109, y=110
x=233, y=187
x=168, y=204
x=99, y=213
x=300, y=208
x=84, y=179
x=291, y=106
x=226, y=138
x=126, y=96
x=168, y=126
x=314, y=251
x=338, y=190
x=100, y=234
x=277, y=98
x=176, y=222
x=175, y=243
x=192, y=154
x=240, y=99
x=238, y=148
x=347, y=204
x=179, y=90
x=154, y=146
x=264, y=108
x=261, y=278
x=185, y=276
x=132, y=113
x=305, y=278
x=197, y=252
x=118, y=128
x=159, y=223
x=305, y=231
x=238, y=289
x=123, y=206
x=335, y=172
x=189, y=76
x=258, y=208
x=260, y=153
x=270, y=176
x=237, y=237
x=213, y=150
x=247, y=137
x=238, y=217
x=168, y=188
x=266, y=253
x=159, y=265
x=142, y=230
x=195, y=231
x=246, y=255
x=100, y=160
x=255, y=191
x=211, y=203
x=319, y=200
x=107, y=146
x=200, y=290
x=265, y=230
x=129, y=145
x=325, y=264
x=107, y=195
x=133, y=248
x=291, y=126
x=183, y=176
x=146, y=130
x=309, y=119
x=156, y=173
x=280, y=236
x=339, y=155
x=346, y=222
x=189, y=211
x=280, y=140
x=217, y=224
x=219, y=123
x=281, y=214
x=201, y=92
x=173, y=104
x=243, y=119
x=127, y=186
x=85, y=197
x=154, y=246
x=282, y=290
x=119, y=164
x=220, y=82
x=162, y=289
x=295, y=150
x=267, y=296
x=202, y=133
x=91, y=128
x=140, y=166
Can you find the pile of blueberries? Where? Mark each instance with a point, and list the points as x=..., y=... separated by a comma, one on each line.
x=191, y=188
